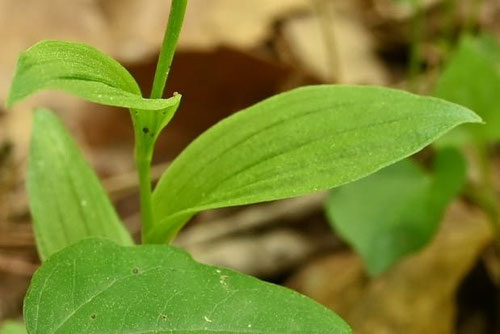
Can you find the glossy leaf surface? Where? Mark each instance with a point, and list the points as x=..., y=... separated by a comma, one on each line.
x=295, y=143
x=67, y=201
x=96, y=286
x=397, y=210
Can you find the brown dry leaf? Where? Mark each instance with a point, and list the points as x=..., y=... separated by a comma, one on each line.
x=336, y=281
x=263, y=240
x=335, y=45
x=23, y=23
x=400, y=10
x=417, y=295
x=240, y=24
x=139, y=25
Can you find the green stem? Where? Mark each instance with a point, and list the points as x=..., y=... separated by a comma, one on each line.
x=170, y=40
x=144, y=149
x=449, y=21
x=144, y=168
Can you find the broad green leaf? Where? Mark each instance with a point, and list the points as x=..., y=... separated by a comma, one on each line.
x=472, y=78
x=397, y=210
x=295, y=143
x=96, y=286
x=11, y=327
x=82, y=70
x=66, y=199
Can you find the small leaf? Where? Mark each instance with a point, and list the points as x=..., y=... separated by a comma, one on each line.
x=11, y=327
x=306, y=140
x=96, y=286
x=66, y=199
x=395, y=211
x=82, y=70
x=472, y=79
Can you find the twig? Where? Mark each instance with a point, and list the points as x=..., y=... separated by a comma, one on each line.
x=291, y=210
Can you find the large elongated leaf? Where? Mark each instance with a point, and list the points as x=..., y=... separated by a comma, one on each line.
x=82, y=70
x=67, y=201
x=96, y=286
x=472, y=78
x=395, y=211
x=295, y=143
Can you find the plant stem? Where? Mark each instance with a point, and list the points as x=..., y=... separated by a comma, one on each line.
x=449, y=21
x=177, y=12
x=143, y=151
x=145, y=191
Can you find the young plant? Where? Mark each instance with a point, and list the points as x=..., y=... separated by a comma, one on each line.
x=480, y=56
x=94, y=280
x=418, y=199
x=383, y=235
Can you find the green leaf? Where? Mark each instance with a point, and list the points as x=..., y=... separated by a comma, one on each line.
x=295, y=143
x=11, y=327
x=472, y=78
x=397, y=210
x=66, y=199
x=96, y=286
x=82, y=70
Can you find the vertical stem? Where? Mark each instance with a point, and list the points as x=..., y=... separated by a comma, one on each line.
x=447, y=32
x=177, y=12
x=144, y=168
x=144, y=153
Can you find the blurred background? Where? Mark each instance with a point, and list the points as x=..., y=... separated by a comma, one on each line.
x=360, y=250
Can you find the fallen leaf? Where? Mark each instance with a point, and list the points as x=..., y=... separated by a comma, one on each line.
x=417, y=295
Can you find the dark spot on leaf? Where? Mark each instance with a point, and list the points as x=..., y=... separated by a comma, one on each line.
x=135, y=271
x=145, y=130
x=164, y=317
x=93, y=316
